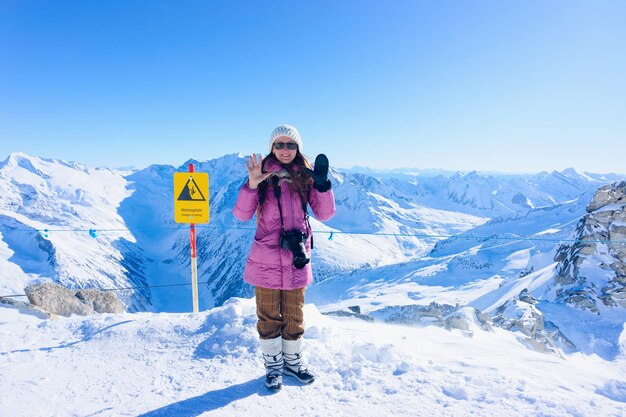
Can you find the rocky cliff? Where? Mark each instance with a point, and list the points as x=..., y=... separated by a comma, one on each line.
x=591, y=273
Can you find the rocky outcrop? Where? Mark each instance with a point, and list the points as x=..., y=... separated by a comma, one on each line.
x=592, y=271
x=468, y=320
x=351, y=311
x=434, y=313
x=25, y=307
x=59, y=300
x=56, y=299
x=609, y=194
x=521, y=315
x=101, y=301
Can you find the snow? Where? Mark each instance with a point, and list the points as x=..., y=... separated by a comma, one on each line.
x=537, y=283
x=68, y=200
x=395, y=242
x=208, y=364
x=380, y=223
x=517, y=260
x=590, y=334
x=11, y=269
x=614, y=390
x=548, y=232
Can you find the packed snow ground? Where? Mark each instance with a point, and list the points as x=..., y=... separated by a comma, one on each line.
x=208, y=364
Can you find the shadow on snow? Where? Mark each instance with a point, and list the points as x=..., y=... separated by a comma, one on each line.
x=211, y=400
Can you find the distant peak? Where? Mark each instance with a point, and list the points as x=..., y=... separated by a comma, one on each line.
x=573, y=173
x=15, y=156
x=474, y=174
x=16, y=159
x=38, y=165
x=464, y=175
x=190, y=161
x=24, y=161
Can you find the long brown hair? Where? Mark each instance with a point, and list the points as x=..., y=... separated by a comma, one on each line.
x=300, y=180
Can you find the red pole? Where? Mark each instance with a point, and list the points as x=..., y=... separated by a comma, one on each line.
x=194, y=265
x=192, y=236
x=192, y=227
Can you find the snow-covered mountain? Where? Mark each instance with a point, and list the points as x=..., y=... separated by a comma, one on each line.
x=554, y=274
x=61, y=198
x=379, y=223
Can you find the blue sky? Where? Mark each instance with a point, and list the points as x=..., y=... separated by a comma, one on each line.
x=463, y=85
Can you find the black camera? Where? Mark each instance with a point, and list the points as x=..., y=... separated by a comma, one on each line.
x=294, y=241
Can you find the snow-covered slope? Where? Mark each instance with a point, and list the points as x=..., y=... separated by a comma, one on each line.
x=208, y=364
x=460, y=269
x=61, y=197
x=548, y=274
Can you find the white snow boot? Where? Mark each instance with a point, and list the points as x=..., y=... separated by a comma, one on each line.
x=273, y=361
x=292, y=353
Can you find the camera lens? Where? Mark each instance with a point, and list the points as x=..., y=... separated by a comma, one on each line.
x=293, y=240
x=300, y=262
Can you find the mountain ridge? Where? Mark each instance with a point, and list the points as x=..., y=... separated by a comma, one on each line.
x=382, y=221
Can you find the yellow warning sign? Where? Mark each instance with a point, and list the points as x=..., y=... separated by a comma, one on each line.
x=191, y=197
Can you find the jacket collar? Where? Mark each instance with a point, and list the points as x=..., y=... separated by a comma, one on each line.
x=271, y=165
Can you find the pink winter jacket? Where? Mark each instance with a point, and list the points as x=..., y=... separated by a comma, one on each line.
x=269, y=266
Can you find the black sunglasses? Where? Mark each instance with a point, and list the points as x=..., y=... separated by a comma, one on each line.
x=292, y=146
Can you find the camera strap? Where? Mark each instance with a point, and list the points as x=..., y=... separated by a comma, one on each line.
x=276, y=187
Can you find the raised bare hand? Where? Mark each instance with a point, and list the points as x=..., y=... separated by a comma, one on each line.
x=255, y=173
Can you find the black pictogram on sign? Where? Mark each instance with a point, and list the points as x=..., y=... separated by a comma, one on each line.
x=191, y=192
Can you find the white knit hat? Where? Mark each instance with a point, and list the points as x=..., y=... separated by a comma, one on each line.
x=287, y=131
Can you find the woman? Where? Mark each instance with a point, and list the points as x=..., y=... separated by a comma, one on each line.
x=278, y=189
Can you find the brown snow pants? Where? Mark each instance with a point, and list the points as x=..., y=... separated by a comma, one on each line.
x=280, y=313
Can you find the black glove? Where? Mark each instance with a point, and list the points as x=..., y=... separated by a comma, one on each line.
x=320, y=174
